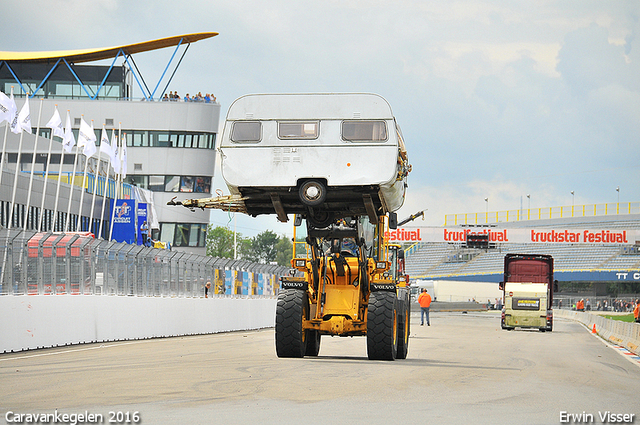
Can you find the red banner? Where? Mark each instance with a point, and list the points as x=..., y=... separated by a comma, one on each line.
x=517, y=235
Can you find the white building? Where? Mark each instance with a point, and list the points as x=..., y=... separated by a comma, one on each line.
x=170, y=144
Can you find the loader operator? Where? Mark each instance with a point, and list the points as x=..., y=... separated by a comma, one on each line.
x=349, y=247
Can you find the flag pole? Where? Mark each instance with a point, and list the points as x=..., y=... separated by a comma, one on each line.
x=4, y=150
x=95, y=189
x=4, y=146
x=67, y=220
x=15, y=177
x=106, y=186
x=64, y=141
x=84, y=177
x=46, y=179
x=55, y=208
x=115, y=200
x=33, y=167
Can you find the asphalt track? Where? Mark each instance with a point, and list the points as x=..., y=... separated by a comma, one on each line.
x=461, y=370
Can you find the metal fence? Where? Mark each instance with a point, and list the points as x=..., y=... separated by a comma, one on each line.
x=64, y=263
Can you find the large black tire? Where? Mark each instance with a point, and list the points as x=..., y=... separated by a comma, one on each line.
x=382, y=326
x=291, y=309
x=313, y=343
x=404, y=321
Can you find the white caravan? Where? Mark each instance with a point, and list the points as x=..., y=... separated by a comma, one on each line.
x=322, y=156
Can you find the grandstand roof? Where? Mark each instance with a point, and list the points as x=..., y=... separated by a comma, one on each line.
x=90, y=55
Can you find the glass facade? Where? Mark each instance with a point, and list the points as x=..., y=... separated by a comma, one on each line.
x=154, y=183
x=184, y=234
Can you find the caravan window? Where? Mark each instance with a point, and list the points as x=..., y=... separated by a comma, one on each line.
x=364, y=131
x=298, y=130
x=246, y=131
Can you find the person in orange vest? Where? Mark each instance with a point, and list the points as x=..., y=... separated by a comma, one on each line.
x=636, y=311
x=425, y=302
x=580, y=305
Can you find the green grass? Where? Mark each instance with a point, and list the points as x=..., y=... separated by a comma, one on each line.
x=622, y=317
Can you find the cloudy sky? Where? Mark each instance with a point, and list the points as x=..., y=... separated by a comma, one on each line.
x=496, y=99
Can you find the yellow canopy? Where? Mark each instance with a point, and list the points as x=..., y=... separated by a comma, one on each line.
x=90, y=55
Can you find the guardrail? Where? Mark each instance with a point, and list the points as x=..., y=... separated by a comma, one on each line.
x=624, y=334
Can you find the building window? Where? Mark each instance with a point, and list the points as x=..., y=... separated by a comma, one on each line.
x=171, y=183
x=156, y=183
x=203, y=185
x=186, y=184
x=140, y=181
x=184, y=234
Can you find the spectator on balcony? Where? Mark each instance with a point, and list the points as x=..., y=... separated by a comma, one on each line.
x=187, y=98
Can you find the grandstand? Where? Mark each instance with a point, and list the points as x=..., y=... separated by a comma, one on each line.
x=582, y=263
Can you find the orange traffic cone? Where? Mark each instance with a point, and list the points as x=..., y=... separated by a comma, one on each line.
x=593, y=331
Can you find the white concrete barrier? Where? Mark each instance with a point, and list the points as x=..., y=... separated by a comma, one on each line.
x=29, y=322
x=624, y=334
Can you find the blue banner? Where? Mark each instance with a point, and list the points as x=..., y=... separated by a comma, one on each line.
x=124, y=220
x=143, y=225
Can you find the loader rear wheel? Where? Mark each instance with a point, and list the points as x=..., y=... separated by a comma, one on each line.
x=403, y=330
x=313, y=343
x=382, y=326
x=291, y=309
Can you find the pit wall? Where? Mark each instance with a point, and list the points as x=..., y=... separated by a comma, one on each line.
x=624, y=334
x=40, y=321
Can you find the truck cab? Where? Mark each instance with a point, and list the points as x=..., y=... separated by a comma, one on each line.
x=528, y=289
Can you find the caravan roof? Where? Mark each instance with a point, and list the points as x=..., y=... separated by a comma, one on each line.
x=310, y=105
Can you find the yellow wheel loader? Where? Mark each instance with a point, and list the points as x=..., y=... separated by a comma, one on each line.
x=349, y=282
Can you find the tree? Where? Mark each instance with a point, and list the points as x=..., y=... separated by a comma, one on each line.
x=220, y=242
x=284, y=251
x=264, y=246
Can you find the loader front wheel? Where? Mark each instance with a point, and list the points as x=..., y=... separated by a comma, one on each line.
x=382, y=326
x=292, y=307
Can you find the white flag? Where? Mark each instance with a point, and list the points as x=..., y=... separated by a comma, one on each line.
x=55, y=124
x=15, y=126
x=105, y=146
x=68, y=141
x=89, y=144
x=24, y=118
x=8, y=108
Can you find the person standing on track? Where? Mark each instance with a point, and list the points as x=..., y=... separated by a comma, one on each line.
x=425, y=302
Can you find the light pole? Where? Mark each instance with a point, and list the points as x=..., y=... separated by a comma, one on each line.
x=573, y=201
x=486, y=216
x=529, y=208
x=618, y=204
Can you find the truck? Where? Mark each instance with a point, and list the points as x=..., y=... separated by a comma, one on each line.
x=528, y=288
